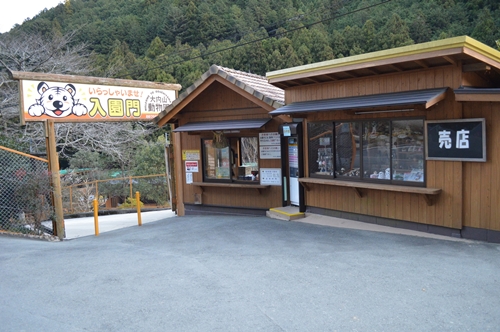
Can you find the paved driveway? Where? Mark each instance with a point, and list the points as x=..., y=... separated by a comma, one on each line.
x=204, y=273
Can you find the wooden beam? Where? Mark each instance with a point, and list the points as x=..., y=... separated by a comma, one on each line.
x=480, y=66
x=358, y=192
x=372, y=71
x=19, y=75
x=332, y=77
x=56, y=179
x=311, y=79
x=350, y=74
x=421, y=63
x=450, y=59
x=481, y=97
x=305, y=185
x=428, y=200
x=393, y=66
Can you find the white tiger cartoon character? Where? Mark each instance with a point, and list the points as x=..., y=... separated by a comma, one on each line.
x=56, y=102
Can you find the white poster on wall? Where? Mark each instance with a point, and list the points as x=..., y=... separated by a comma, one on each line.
x=189, y=178
x=270, y=152
x=269, y=138
x=270, y=176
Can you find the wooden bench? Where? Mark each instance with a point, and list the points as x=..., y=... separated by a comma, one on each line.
x=256, y=186
x=427, y=193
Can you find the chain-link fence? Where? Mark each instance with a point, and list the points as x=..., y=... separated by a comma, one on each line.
x=114, y=193
x=25, y=194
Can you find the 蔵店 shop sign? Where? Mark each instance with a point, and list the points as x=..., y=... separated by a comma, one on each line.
x=461, y=139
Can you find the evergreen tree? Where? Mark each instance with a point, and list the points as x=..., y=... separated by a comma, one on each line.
x=395, y=33
x=485, y=29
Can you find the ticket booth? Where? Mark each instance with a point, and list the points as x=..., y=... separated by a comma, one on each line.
x=227, y=149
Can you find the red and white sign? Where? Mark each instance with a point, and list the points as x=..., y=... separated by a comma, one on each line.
x=191, y=166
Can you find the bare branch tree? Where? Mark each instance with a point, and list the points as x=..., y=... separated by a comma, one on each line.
x=34, y=53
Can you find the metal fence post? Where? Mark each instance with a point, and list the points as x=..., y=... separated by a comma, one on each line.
x=96, y=217
x=138, y=202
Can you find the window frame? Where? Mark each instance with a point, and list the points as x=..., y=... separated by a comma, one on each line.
x=362, y=178
x=235, y=160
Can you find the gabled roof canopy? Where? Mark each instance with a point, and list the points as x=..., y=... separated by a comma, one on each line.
x=251, y=86
x=474, y=56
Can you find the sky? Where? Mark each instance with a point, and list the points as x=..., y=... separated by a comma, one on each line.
x=16, y=11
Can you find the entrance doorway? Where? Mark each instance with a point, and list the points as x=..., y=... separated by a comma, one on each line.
x=293, y=170
x=293, y=167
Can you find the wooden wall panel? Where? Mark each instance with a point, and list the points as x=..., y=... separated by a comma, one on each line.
x=481, y=185
x=493, y=155
x=447, y=210
x=218, y=102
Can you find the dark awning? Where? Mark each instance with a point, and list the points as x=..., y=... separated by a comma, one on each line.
x=477, y=94
x=223, y=125
x=427, y=98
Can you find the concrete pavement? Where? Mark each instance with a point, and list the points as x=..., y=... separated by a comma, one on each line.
x=227, y=273
x=78, y=227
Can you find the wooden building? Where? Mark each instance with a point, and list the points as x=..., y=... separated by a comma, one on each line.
x=404, y=137
x=226, y=145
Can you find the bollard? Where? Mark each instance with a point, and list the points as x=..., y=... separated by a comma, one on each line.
x=138, y=202
x=96, y=213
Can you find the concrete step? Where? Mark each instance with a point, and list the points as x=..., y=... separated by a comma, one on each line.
x=285, y=213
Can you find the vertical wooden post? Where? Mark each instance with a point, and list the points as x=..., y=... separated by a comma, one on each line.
x=71, y=199
x=177, y=179
x=138, y=202
x=130, y=184
x=50, y=133
x=169, y=166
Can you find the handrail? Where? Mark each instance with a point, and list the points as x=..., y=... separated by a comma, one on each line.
x=23, y=154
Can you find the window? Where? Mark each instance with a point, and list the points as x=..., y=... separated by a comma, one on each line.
x=320, y=148
x=387, y=151
x=236, y=162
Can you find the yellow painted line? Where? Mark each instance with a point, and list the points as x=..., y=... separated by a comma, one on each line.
x=286, y=213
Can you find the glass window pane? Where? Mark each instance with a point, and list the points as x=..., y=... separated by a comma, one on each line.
x=320, y=140
x=347, y=160
x=376, y=150
x=216, y=162
x=249, y=150
x=408, y=150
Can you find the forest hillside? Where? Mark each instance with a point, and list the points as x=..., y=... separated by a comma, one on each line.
x=177, y=41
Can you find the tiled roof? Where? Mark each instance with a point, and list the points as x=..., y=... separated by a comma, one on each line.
x=258, y=83
x=251, y=83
